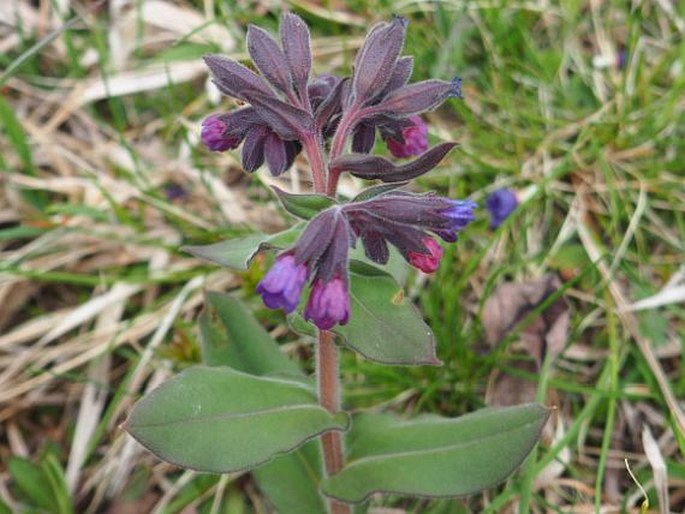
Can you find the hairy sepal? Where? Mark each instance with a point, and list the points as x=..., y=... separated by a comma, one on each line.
x=235, y=79
x=374, y=167
x=298, y=54
x=414, y=98
x=269, y=58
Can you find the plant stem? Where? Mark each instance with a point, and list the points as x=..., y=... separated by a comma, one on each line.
x=328, y=383
x=317, y=165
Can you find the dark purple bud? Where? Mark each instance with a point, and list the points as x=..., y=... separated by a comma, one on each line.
x=298, y=54
x=276, y=154
x=374, y=167
x=428, y=260
x=288, y=121
x=415, y=98
x=282, y=286
x=252, y=155
x=377, y=58
x=363, y=138
x=269, y=58
x=500, y=204
x=415, y=139
x=234, y=79
x=214, y=134
x=329, y=303
x=400, y=75
x=375, y=246
x=329, y=106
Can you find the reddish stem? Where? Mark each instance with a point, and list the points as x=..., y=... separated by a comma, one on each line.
x=317, y=165
x=328, y=382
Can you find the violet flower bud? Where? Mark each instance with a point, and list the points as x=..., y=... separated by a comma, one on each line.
x=214, y=134
x=415, y=139
x=282, y=286
x=500, y=204
x=329, y=303
x=427, y=262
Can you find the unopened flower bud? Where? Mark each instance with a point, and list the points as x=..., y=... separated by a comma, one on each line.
x=415, y=139
x=214, y=134
x=427, y=262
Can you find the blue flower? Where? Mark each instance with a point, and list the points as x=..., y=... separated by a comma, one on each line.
x=282, y=286
x=500, y=204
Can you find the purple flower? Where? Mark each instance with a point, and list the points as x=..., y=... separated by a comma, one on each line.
x=282, y=285
x=214, y=134
x=405, y=220
x=500, y=204
x=459, y=215
x=414, y=139
x=429, y=260
x=329, y=303
x=321, y=249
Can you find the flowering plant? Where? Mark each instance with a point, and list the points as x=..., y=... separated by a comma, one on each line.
x=250, y=405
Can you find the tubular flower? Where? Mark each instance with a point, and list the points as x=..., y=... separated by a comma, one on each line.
x=329, y=303
x=414, y=140
x=429, y=261
x=322, y=249
x=282, y=286
x=500, y=204
x=405, y=221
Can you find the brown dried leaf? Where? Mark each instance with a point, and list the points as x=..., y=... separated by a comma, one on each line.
x=511, y=302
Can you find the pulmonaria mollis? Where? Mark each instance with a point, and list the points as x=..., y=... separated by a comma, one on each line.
x=335, y=120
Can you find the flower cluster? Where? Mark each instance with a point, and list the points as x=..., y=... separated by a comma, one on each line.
x=403, y=220
x=286, y=110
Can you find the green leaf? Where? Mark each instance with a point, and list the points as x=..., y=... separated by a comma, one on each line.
x=377, y=190
x=434, y=456
x=238, y=253
x=221, y=420
x=384, y=326
x=42, y=483
x=304, y=206
x=292, y=482
x=232, y=337
x=31, y=480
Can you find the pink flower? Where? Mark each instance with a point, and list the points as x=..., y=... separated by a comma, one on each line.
x=415, y=139
x=427, y=262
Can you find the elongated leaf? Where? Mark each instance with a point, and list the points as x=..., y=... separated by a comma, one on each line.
x=288, y=121
x=384, y=326
x=374, y=191
x=292, y=482
x=434, y=456
x=415, y=98
x=377, y=58
x=298, y=54
x=238, y=253
x=375, y=167
x=235, y=79
x=269, y=58
x=231, y=336
x=220, y=420
x=304, y=206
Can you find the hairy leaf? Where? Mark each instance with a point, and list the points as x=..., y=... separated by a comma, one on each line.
x=377, y=57
x=231, y=336
x=288, y=121
x=298, y=54
x=220, y=420
x=269, y=58
x=434, y=456
x=235, y=79
x=375, y=167
x=414, y=98
x=238, y=253
x=304, y=206
x=384, y=326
